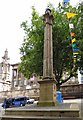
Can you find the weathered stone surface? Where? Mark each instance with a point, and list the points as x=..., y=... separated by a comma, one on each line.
x=47, y=95
x=38, y=118
x=61, y=112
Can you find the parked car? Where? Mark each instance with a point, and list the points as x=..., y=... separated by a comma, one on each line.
x=13, y=102
x=20, y=101
x=30, y=100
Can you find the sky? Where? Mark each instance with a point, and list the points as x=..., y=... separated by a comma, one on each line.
x=12, y=14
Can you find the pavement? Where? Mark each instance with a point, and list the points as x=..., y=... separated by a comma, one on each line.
x=79, y=102
x=73, y=101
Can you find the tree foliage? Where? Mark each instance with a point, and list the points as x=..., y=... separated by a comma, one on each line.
x=32, y=46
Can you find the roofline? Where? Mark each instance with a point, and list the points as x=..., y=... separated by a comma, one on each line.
x=14, y=64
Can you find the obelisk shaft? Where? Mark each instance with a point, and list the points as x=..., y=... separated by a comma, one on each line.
x=48, y=49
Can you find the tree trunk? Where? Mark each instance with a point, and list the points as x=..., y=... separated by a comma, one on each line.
x=58, y=87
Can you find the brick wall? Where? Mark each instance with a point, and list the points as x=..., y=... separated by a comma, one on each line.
x=72, y=91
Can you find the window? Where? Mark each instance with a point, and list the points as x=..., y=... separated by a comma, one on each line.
x=15, y=73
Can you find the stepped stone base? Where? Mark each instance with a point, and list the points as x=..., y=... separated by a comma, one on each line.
x=61, y=112
x=38, y=118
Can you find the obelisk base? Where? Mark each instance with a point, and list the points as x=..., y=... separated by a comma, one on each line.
x=47, y=95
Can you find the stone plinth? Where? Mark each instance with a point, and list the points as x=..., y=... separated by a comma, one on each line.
x=47, y=93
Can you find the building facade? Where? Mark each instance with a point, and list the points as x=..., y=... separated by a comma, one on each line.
x=18, y=80
x=5, y=82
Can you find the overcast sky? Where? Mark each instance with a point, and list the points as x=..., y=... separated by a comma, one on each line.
x=12, y=14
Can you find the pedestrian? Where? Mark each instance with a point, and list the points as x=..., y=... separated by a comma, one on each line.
x=6, y=103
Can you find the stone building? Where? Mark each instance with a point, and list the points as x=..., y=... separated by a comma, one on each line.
x=5, y=82
x=19, y=82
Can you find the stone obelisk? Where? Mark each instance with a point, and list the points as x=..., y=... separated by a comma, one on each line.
x=47, y=95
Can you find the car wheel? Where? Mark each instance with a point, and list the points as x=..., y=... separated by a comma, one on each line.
x=21, y=105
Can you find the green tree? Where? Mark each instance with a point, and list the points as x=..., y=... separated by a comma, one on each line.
x=79, y=36
x=31, y=61
x=32, y=47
